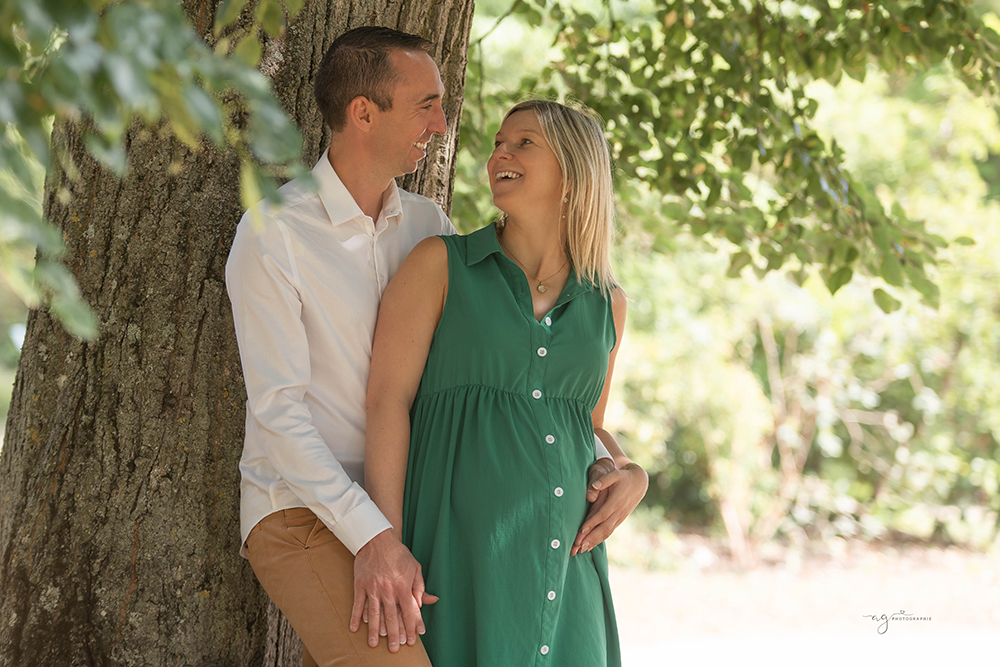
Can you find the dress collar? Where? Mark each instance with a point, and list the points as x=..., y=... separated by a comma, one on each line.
x=481, y=244
x=484, y=242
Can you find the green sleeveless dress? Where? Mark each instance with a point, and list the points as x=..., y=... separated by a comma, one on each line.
x=496, y=482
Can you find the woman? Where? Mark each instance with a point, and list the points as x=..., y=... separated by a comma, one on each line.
x=498, y=347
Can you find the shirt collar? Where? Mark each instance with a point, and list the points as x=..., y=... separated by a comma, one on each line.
x=338, y=201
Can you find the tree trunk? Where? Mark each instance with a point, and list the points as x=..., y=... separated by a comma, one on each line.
x=119, y=531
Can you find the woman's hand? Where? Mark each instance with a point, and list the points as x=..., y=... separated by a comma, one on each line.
x=613, y=494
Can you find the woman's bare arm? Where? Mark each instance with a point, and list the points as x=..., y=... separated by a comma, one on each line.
x=410, y=311
x=617, y=492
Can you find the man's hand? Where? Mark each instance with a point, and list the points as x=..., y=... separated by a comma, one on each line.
x=388, y=580
x=613, y=494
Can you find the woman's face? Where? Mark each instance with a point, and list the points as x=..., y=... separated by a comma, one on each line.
x=524, y=174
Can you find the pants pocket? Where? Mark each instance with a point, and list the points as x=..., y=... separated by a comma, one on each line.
x=300, y=523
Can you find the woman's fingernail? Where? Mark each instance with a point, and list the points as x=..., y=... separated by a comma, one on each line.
x=585, y=546
x=373, y=642
x=596, y=485
x=420, y=629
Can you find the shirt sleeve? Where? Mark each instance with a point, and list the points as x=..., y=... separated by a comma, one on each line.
x=447, y=229
x=262, y=282
x=601, y=451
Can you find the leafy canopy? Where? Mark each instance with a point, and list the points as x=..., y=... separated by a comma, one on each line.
x=706, y=103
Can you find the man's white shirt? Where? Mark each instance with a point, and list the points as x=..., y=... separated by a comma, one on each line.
x=305, y=279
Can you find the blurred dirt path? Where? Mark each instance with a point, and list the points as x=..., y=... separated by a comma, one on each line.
x=812, y=609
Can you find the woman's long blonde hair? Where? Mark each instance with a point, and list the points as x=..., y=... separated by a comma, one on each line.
x=576, y=137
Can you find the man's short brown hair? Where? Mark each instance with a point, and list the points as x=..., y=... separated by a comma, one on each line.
x=358, y=64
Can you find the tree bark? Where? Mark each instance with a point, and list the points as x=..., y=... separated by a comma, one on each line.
x=119, y=481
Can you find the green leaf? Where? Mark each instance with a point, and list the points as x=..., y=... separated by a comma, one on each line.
x=737, y=262
x=204, y=110
x=248, y=51
x=880, y=234
x=66, y=301
x=840, y=278
x=736, y=233
x=271, y=17
x=742, y=158
x=964, y=240
x=250, y=189
x=111, y=155
x=886, y=301
x=674, y=211
x=228, y=12
x=273, y=137
x=928, y=290
x=892, y=270
x=131, y=84
x=664, y=243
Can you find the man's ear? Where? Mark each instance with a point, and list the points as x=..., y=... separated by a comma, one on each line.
x=359, y=113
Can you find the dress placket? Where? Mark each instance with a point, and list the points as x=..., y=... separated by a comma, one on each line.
x=553, y=546
x=549, y=441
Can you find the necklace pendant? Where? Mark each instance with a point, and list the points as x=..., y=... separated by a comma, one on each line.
x=542, y=288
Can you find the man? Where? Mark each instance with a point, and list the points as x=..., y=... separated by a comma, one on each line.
x=305, y=284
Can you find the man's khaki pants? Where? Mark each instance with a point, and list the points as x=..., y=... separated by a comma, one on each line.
x=309, y=574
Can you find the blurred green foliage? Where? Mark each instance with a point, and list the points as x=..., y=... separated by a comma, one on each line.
x=706, y=103
x=105, y=65
x=766, y=396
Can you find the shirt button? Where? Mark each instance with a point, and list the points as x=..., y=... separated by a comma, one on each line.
x=555, y=544
x=536, y=394
x=558, y=492
x=542, y=351
x=552, y=595
x=548, y=321
x=550, y=439
x=544, y=650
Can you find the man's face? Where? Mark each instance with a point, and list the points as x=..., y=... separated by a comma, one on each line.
x=403, y=132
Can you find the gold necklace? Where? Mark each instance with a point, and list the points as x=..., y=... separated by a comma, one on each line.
x=541, y=282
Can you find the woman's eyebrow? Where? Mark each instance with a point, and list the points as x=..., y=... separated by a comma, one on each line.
x=521, y=131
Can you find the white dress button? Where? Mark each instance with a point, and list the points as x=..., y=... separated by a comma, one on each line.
x=550, y=439
x=536, y=394
x=555, y=544
x=544, y=650
x=552, y=595
x=558, y=492
x=548, y=321
x=542, y=351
